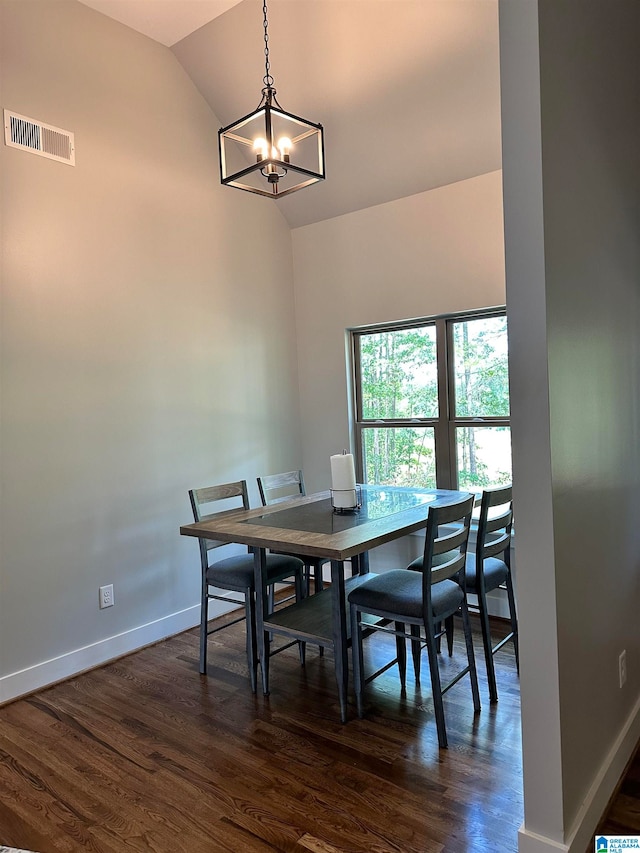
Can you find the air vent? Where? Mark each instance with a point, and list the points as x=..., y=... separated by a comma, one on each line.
x=39, y=138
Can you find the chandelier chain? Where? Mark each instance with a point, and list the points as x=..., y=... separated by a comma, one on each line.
x=267, y=79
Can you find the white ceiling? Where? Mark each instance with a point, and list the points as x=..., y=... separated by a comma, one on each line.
x=165, y=21
x=407, y=90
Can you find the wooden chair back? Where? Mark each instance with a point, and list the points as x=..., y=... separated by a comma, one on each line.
x=203, y=498
x=494, y=525
x=445, y=548
x=276, y=488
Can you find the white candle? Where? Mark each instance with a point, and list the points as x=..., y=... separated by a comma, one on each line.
x=343, y=480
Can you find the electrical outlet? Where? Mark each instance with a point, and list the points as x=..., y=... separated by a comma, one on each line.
x=106, y=596
x=622, y=667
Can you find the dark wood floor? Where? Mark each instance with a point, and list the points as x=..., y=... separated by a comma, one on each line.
x=145, y=754
x=623, y=815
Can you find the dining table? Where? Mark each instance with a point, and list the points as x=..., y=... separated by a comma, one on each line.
x=311, y=526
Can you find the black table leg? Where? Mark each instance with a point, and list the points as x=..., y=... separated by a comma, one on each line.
x=339, y=629
x=360, y=563
x=262, y=607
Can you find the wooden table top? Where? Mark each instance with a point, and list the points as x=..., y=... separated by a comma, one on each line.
x=336, y=536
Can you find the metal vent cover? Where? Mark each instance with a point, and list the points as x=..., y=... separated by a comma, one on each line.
x=39, y=138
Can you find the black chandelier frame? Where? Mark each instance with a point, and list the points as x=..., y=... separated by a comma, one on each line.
x=271, y=170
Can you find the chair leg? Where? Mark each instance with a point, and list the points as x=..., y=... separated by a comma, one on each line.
x=358, y=660
x=264, y=663
x=471, y=658
x=448, y=627
x=401, y=654
x=436, y=687
x=488, y=647
x=252, y=648
x=204, y=626
x=514, y=619
x=301, y=588
x=416, y=650
x=318, y=585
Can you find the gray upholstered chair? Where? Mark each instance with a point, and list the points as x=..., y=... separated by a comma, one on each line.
x=277, y=488
x=236, y=573
x=493, y=556
x=423, y=600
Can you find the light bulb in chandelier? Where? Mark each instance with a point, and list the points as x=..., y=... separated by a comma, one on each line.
x=260, y=147
x=284, y=146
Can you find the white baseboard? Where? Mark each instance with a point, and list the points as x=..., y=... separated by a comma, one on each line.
x=48, y=672
x=529, y=842
x=595, y=803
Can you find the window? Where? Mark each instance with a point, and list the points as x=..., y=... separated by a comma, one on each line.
x=431, y=402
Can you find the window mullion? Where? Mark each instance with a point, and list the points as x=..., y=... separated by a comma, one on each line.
x=356, y=375
x=444, y=468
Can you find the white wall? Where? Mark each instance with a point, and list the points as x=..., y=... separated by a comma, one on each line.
x=571, y=136
x=148, y=342
x=427, y=254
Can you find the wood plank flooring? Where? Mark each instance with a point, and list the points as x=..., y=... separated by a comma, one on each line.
x=623, y=815
x=144, y=754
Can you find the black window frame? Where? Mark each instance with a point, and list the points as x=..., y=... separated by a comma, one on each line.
x=447, y=422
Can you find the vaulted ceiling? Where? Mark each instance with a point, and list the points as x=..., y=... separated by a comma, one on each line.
x=407, y=90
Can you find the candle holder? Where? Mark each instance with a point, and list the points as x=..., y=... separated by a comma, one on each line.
x=344, y=496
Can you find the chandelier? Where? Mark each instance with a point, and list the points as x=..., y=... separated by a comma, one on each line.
x=270, y=151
